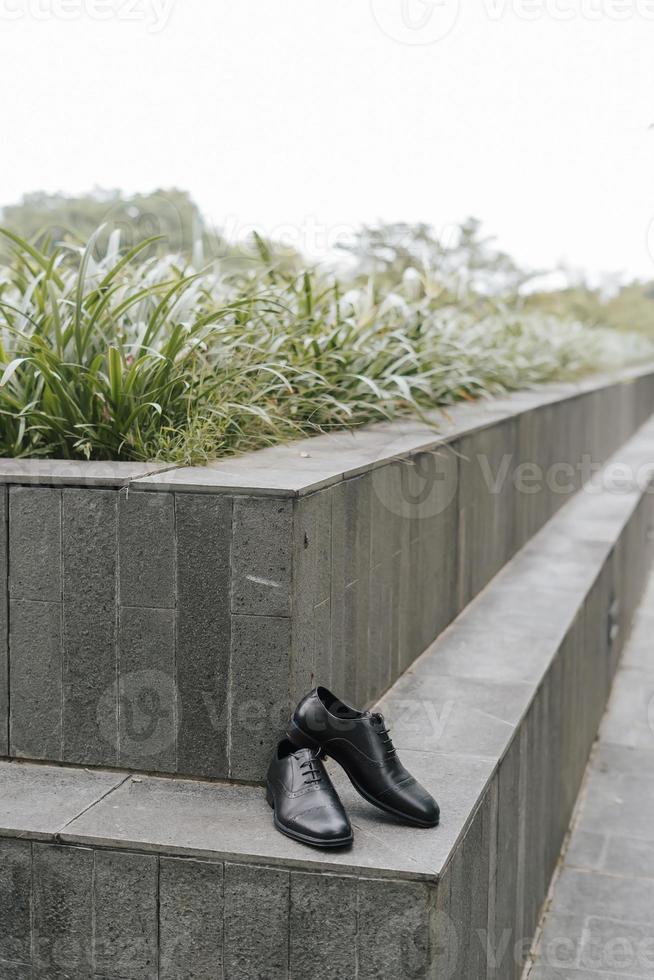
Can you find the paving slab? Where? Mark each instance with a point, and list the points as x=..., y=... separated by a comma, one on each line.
x=453, y=714
x=596, y=946
x=71, y=473
x=613, y=853
x=202, y=819
x=630, y=721
x=38, y=801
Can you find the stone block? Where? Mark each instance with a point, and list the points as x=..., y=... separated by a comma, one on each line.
x=4, y=628
x=537, y=869
x=495, y=955
x=190, y=919
x=435, y=553
x=148, y=710
x=394, y=926
x=350, y=594
x=146, y=549
x=259, y=705
x=204, y=526
x=15, y=903
x=35, y=544
x=323, y=926
x=36, y=672
x=538, y=452
x=262, y=556
x=90, y=708
x=125, y=895
x=311, y=657
x=63, y=912
x=469, y=896
x=487, y=506
x=384, y=598
x=256, y=917
x=510, y=826
x=444, y=946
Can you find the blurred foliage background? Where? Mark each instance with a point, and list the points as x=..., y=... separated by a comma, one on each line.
x=468, y=263
x=131, y=329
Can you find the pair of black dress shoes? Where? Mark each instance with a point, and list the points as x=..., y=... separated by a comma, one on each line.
x=298, y=788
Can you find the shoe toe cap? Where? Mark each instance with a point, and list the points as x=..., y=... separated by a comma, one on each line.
x=416, y=804
x=326, y=822
x=427, y=810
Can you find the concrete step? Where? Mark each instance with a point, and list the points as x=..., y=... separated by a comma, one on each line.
x=167, y=620
x=597, y=921
x=108, y=874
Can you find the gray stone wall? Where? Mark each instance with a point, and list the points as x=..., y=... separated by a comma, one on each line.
x=93, y=912
x=501, y=869
x=173, y=631
x=141, y=878
x=84, y=913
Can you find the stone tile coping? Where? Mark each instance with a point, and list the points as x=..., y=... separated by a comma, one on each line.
x=66, y=472
x=311, y=464
x=453, y=716
x=300, y=467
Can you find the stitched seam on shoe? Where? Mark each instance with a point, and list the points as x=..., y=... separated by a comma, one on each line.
x=402, y=782
x=312, y=809
x=360, y=753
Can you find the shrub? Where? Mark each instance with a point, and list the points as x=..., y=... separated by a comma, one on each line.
x=133, y=357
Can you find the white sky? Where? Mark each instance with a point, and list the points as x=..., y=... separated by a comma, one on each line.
x=532, y=115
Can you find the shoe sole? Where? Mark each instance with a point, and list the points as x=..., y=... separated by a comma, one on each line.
x=304, y=838
x=300, y=738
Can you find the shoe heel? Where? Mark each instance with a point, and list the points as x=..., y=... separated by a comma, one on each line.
x=299, y=738
x=269, y=798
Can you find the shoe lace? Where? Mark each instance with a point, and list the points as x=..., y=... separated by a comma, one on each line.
x=312, y=770
x=384, y=733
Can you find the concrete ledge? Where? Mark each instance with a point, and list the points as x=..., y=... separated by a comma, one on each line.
x=312, y=464
x=496, y=718
x=73, y=473
x=171, y=631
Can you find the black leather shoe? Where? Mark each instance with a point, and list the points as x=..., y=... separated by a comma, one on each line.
x=306, y=805
x=360, y=742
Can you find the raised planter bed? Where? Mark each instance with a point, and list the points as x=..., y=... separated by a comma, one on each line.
x=107, y=874
x=166, y=619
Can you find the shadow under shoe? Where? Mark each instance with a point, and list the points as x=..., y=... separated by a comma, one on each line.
x=360, y=742
x=306, y=806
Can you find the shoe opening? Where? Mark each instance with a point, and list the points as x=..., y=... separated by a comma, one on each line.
x=337, y=707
